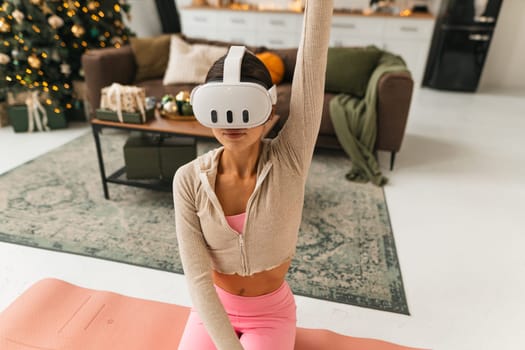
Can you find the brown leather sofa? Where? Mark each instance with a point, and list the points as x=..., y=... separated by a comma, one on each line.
x=102, y=67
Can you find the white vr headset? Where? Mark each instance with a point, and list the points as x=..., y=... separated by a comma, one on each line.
x=232, y=104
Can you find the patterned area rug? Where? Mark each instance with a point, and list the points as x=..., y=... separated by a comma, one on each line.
x=346, y=251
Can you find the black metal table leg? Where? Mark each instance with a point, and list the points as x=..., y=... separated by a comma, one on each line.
x=96, y=131
x=392, y=160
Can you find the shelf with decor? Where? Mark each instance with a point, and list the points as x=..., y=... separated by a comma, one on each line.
x=407, y=36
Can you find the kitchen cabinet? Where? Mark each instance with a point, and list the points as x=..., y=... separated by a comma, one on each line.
x=408, y=37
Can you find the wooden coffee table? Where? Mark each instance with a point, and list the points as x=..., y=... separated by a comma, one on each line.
x=160, y=126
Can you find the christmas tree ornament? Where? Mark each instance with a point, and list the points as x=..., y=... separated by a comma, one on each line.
x=166, y=98
x=181, y=98
x=46, y=10
x=187, y=110
x=55, y=56
x=36, y=37
x=117, y=40
x=94, y=32
x=34, y=62
x=5, y=26
x=92, y=5
x=65, y=69
x=55, y=22
x=170, y=107
x=18, y=16
x=4, y=59
x=78, y=30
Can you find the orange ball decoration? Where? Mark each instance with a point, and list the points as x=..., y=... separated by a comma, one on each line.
x=275, y=65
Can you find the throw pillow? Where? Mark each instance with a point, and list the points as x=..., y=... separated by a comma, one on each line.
x=275, y=65
x=151, y=56
x=189, y=64
x=349, y=69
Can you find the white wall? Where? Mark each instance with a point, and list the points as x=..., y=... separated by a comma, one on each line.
x=182, y=3
x=144, y=18
x=505, y=65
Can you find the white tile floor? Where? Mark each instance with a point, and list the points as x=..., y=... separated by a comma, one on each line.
x=457, y=203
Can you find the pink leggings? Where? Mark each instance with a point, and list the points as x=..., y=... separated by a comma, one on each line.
x=263, y=322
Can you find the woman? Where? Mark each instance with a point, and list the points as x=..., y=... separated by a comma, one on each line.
x=238, y=210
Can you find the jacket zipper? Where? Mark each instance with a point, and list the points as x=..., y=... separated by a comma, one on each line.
x=244, y=258
x=244, y=264
x=215, y=201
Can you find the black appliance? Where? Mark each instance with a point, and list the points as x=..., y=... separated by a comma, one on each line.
x=460, y=44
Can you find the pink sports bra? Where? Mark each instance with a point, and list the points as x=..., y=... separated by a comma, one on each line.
x=236, y=221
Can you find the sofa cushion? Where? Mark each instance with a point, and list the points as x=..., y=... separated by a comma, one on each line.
x=253, y=49
x=190, y=63
x=349, y=68
x=151, y=56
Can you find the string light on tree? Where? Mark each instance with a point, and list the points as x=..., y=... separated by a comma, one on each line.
x=34, y=62
x=42, y=41
x=5, y=26
x=92, y=5
x=78, y=30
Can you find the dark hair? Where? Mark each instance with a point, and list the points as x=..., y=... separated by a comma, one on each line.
x=252, y=70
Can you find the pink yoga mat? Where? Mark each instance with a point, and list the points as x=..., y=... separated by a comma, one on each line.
x=53, y=314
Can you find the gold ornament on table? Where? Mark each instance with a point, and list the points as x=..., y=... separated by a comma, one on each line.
x=78, y=30
x=176, y=108
x=34, y=62
x=181, y=99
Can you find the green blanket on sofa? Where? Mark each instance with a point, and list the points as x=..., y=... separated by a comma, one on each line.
x=355, y=123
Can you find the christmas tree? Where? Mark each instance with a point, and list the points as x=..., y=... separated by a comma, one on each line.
x=42, y=41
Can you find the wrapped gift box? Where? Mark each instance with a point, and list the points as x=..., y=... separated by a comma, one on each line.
x=150, y=158
x=18, y=117
x=141, y=158
x=175, y=152
x=126, y=97
x=128, y=117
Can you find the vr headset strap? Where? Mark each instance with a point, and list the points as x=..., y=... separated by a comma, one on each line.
x=232, y=65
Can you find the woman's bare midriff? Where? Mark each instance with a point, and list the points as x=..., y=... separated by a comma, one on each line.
x=255, y=285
